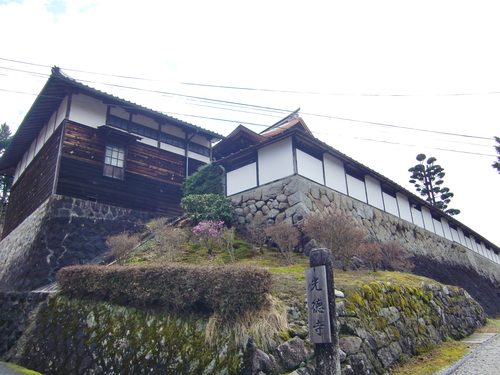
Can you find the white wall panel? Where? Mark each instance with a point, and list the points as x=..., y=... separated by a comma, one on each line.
x=275, y=161
x=461, y=236
x=426, y=215
x=87, y=111
x=374, y=192
x=356, y=188
x=447, y=230
x=334, y=173
x=455, y=235
x=61, y=113
x=438, y=227
x=241, y=179
x=391, y=204
x=417, y=217
x=404, y=207
x=310, y=167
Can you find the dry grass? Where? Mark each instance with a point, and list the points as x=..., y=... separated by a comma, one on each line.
x=263, y=324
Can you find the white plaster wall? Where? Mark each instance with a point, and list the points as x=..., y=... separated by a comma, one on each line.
x=203, y=158
x=334, y=173
x=310, y=167
x=174, y=149
x=447, y=230
x=356, y=188
x=149, y=141
x=201, y=140
x=461, y=236
x=391, y=204
x=61, y=113
x=146, y=121
x=426, y=215
x=374, y=192
x=87, y=111
x=275, y=161
x=404, y=207
x=417, y=217
x=241, y=179
x=40, y=140
x=438, y=227
x=455, y=235
x=120, y=112
x=174, y=130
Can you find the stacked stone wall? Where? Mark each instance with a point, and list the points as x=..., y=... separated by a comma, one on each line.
x=381, y=325
x=63, y=231
x=293, y=199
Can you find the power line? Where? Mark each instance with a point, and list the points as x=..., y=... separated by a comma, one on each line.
x=263, y=89
x=262, y=125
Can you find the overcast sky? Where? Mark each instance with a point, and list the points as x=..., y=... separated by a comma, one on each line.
x=381, y=81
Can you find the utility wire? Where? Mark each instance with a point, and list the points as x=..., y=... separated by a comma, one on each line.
x=262, y=89
x=262, y=125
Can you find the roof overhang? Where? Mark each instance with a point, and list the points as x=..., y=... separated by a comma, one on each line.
x=57, y=87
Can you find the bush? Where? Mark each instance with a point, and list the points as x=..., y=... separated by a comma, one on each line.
x=121, y=245
x=208, y=207
x=209, y=233
x=286, y=237
x=256, y=234
x=371, y=252
x=209, y=179
x=171, y=241
x=337, y=233
x=396, y=255
x=225, y=290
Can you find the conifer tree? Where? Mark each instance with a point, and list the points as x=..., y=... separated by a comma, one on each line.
x=427, y=179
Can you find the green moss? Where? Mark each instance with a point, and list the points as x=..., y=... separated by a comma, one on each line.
x=19, y=369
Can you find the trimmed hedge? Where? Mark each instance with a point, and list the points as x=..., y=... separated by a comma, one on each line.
x=226, y=290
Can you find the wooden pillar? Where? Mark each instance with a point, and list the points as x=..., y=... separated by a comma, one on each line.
x=327, y=353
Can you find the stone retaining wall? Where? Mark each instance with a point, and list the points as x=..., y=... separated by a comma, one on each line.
x=63, y=231
x=294, y=198
x=381, y=325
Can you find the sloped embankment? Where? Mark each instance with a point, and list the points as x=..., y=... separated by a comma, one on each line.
x=381, y=324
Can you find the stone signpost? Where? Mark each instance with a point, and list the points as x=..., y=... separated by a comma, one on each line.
x=323, y=329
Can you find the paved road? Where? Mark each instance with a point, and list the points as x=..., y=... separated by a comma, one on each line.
x=482, y=360
x=9, y=369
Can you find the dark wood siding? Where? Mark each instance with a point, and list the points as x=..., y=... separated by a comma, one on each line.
x=153, y=177
x=34, y=186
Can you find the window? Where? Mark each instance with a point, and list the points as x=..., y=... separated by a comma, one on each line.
x=114, y=160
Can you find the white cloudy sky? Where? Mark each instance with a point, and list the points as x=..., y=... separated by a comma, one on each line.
x=379, y=80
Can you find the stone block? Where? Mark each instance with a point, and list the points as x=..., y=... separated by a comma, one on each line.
x=300, y=197
x=350, y=345
x=271, y=191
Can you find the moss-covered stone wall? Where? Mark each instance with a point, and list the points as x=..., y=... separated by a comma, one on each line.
x=381, y=325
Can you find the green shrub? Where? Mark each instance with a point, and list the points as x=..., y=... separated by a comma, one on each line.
x=207, y=207
x=225, y=290
x=209, y=179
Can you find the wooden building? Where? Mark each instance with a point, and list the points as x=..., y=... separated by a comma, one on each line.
x=288, y=148
x=80, y=142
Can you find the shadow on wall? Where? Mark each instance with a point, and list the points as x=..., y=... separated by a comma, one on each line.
x=481, y=288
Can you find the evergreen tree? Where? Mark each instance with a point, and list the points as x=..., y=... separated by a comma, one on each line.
x=427, y=179
x=496, y=164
